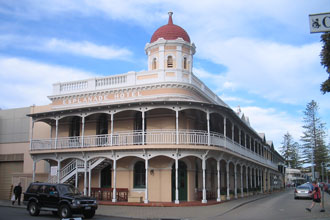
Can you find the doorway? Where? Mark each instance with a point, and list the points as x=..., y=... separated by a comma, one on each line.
x=182, y=181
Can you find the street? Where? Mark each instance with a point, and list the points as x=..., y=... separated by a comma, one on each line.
x=13, y=213
x=278, y=206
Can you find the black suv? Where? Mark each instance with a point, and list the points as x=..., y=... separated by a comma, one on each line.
x=62, y=199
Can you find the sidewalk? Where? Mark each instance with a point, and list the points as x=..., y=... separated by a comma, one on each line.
x=194, y=212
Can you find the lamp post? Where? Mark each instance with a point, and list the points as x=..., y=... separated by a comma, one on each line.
x=322, y=167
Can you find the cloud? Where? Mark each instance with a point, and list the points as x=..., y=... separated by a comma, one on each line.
x=25, y=82
x=277, y=72
x=227, y=98
x=85, y=48
x=61, y=46
x=274, y=123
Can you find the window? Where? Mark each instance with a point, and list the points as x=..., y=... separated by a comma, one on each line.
x=139, y=175
x=75, y=127
x=169, y=62
x=33, y=188
x=154, y=64
x=102, y=125
x=185, y=63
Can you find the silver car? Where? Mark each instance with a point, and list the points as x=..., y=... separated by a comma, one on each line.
x=303, y=191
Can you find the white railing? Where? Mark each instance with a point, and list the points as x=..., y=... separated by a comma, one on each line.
x=154, y=137
x=71, y=168
x=128, y=80
x=110, y=81
x=74, y=86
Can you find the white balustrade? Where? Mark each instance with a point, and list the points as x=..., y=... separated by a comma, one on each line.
x=128, y=80
x=155, y=137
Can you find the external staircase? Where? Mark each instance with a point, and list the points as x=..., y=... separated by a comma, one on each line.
x=75, y=166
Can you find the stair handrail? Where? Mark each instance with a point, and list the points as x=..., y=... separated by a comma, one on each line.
x=69, y=168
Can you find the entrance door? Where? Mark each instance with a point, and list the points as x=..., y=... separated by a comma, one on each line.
x=106, y=177
x=182, y=181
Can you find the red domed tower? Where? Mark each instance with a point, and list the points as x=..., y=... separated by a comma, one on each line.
x=170, y=52
x=170, y=31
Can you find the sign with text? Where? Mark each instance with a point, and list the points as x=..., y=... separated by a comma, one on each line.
x=102, y=98
x=319, y=22
x=53, y=170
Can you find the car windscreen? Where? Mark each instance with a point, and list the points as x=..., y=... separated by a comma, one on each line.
x=68, y=190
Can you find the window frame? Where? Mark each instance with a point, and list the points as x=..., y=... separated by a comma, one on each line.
x=139, y=174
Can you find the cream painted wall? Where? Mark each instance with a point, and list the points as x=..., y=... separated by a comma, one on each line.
x=160, y=183
x=23, y=148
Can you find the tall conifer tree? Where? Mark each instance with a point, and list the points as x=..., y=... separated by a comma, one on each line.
x=313, y=148
x=290, y=151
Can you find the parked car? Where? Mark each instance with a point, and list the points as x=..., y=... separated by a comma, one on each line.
x=62, y=199
x=328, y=188
x=303, y=191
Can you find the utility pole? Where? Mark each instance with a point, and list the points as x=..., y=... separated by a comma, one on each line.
x=322, y=167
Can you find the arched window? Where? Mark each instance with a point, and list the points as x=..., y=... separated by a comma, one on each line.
x=139, y=175
x=185, y=63
x=169, y=62
x=154, y=64
x=75, y=127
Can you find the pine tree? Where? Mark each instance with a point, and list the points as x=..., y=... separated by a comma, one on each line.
x=325, y=61
x=313, y=138
x=289, y=151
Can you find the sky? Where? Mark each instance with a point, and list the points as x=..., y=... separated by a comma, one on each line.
x=259, y=55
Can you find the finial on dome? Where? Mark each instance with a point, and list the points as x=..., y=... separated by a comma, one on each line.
x=170, y=21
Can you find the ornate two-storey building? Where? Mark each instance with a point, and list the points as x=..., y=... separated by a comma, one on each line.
x=160, y=135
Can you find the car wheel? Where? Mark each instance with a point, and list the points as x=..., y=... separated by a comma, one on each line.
x=295, y=197
x=89, y=214
x=33, y=209
x=64, y=211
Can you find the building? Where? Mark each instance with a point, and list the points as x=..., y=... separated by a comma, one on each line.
x=15, y=159
x=295, y=177
x=159, y=135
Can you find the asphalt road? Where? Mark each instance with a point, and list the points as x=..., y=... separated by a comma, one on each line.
x=12, y=213
x=277, y=206
x=280, y=206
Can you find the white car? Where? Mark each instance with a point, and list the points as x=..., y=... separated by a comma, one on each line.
x=303, y=191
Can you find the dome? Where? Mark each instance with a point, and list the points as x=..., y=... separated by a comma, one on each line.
x=170, y=31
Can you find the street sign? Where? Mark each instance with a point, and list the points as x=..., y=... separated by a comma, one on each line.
x=319, y=22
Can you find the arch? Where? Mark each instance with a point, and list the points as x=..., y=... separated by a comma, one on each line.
x=46, y=158
x=185, y=65
x=154, y=63
x=60, y=117
x=169, y=61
